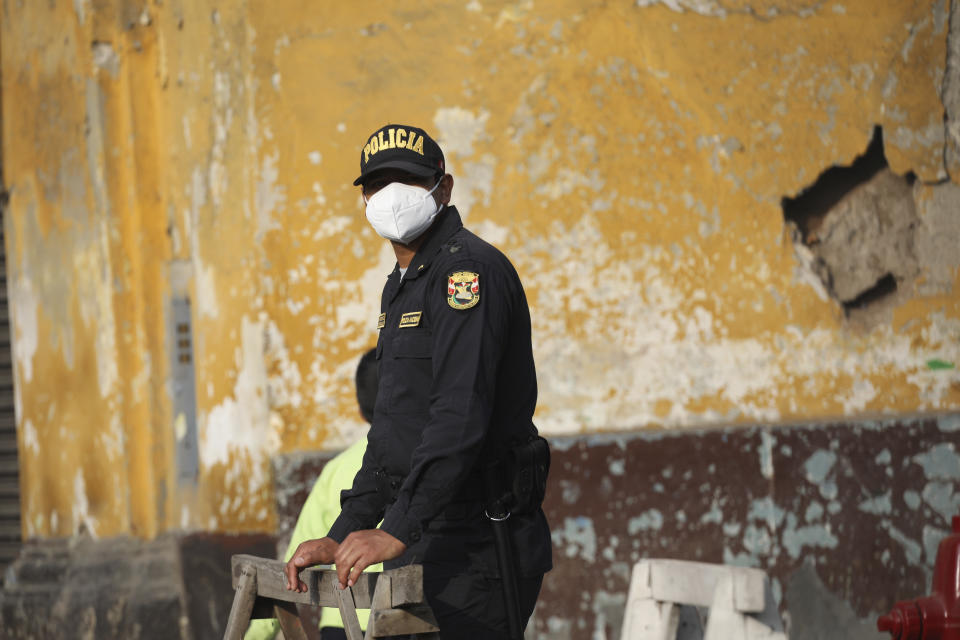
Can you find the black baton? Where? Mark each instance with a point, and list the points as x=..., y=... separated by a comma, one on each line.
x=498, y=516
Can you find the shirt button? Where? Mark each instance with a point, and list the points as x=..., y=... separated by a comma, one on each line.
x=415, y=536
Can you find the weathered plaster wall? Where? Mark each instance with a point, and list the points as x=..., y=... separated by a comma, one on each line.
x=630, y=157
x=844, y=516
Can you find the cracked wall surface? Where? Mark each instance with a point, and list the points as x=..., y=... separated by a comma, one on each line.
x=845, y=517
x=629, y=156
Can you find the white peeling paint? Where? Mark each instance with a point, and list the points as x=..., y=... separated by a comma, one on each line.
x=912, y=499
x=205, y=286
x=23, y=316
x=911, y=548
x=104, y=57
x=330, y=226
x=757, y=540
x=283, y=380
x=942, y=498
x=715, y=514
x=113, y=439
x=30, y=440
x=271, y=195
x=490, y=231
x=859, y=395
x=457, y=131
x=236, y=430
x=941, y=462
x=577, y=538
x=878, y=505
x=766, y=510
x=223, y=102
x=814, y=512
x=817, y=468
x=363, y=307
x=187, y=134
x=80, y=8
x=950, y=423
x=741, y=559
x=81, y=506
x=765, y=450
x=651, y=520
x=795, y=539
x=716, y=9
x=95, y=293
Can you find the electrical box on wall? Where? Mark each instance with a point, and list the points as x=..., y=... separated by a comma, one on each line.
x=184, y=392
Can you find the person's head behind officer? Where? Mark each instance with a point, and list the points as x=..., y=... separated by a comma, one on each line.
x=404, y=183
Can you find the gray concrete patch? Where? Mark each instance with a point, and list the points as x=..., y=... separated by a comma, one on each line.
x=817, y=614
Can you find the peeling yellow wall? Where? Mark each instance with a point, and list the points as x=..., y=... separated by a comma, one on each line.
x=630, y=157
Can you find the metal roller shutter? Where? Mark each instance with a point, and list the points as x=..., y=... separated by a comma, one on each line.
x=9, y=469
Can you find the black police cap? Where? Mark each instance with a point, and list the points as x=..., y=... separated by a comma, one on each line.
x=397, y=146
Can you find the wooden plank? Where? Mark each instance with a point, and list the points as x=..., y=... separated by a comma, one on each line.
x=406, y=585
x=290, y=624
x=243, y=601
x=413, y=619
x=348, y=613
x=381, y=600
x=321, y=583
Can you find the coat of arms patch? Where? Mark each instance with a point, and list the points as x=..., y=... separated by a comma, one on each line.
x=463, y=289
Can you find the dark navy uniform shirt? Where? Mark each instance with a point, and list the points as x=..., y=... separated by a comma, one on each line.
x=457, y=387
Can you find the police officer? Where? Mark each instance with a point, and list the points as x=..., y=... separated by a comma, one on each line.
x=456, y=396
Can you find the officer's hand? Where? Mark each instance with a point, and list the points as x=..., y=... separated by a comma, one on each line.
x=361, y=549
x=309, y=553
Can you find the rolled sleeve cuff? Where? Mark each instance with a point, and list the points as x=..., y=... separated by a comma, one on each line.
x=402, y=526
x=342, y=527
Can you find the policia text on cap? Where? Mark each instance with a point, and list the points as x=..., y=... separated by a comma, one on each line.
x=454, y=466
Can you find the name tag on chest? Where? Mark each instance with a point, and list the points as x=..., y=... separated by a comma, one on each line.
x=411, y=319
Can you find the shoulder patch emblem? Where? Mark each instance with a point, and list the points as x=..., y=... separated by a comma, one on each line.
x=381, y=321
x=463, y=289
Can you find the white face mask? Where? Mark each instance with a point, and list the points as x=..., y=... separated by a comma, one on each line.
x=401, y=212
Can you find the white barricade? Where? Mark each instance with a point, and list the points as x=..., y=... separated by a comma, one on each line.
x=663, y=593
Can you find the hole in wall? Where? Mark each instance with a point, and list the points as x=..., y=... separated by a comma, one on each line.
x=885, y=286
x=854, y=227
x=808, y=209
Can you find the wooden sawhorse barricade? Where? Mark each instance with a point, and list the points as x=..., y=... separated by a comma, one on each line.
x=394, y=597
